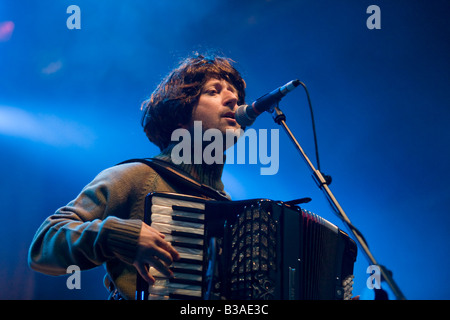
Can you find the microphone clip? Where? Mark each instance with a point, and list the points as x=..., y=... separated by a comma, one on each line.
x=277, y=114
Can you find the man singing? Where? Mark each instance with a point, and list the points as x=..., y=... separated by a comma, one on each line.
x=104, y=223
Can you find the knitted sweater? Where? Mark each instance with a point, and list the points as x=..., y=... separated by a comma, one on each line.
x=102, y=224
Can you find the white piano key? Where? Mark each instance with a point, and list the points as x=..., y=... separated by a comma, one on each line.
x=169, y=202
x=171, y=238
x=189, y=266
x=164, y=291
x=177, y=275
x=167, y=228
x=168, y=211
x=161, y=218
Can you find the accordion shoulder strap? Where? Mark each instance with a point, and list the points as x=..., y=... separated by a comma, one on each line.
x=168, y=171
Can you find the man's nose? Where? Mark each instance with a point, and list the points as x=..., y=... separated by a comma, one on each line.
x=230, y=99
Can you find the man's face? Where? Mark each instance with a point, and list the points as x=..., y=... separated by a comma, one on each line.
x=216, y=106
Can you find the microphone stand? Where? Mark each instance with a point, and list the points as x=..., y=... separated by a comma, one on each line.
x=322, y=183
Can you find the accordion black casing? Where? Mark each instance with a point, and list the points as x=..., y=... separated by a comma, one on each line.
x=248, y=250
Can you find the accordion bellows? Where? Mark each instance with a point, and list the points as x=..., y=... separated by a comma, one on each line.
x=248, y=250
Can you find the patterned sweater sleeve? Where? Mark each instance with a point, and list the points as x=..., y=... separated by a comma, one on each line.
x=101, y=223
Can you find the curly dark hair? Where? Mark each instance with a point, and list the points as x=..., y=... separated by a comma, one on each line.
x=173, y=101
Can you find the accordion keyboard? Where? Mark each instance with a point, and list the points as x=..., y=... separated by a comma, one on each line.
x=182, y=223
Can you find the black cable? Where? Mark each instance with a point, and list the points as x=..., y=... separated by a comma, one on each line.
x=327, y=178
x=313, y=125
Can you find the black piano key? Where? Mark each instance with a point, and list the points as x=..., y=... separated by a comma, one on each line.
x=185, y=270
x=188, y=209
x=187, y=219
x=191, y=261
x=181, y=280
x=186, y=245
x=186, y=234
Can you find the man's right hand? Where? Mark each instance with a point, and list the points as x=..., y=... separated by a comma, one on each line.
x=154, y=251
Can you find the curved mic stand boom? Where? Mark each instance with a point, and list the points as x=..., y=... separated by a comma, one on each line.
x=322, y=183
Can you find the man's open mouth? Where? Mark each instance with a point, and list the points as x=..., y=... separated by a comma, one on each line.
x=229, y=115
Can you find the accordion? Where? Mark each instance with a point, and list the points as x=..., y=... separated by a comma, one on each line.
x=248, y=250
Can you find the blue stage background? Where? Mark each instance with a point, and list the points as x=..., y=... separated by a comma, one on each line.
x=70, y=107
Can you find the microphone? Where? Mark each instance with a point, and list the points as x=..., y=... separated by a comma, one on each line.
x=246, y=114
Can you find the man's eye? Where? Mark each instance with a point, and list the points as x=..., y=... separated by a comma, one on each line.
x=212, y=92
